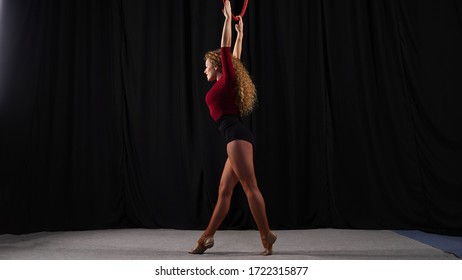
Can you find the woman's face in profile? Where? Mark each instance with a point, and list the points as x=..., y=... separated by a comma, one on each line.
x=210, y=71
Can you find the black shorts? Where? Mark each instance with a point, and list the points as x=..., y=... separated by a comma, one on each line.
x=232, y=128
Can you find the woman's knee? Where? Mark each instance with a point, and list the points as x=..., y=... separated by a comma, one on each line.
x=249, y=185
x=225, y=190
x=248, y=179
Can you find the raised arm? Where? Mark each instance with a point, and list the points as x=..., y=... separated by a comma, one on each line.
x=226, y=35
x=240, y=35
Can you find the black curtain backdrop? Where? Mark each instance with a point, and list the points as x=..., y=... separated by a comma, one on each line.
x=103, y=119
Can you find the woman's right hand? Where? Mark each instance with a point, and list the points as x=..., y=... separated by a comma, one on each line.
x=240, y=25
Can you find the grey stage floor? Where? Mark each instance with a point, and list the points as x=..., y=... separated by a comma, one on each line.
x=165, y=244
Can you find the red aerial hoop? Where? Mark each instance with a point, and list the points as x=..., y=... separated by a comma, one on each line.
x=244, y=7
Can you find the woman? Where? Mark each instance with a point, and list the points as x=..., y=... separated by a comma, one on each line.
x=232, y=95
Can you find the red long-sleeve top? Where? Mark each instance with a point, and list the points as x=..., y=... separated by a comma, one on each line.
x=221, y=98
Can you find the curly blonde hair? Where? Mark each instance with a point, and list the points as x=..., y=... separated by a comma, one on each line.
x=246, y=97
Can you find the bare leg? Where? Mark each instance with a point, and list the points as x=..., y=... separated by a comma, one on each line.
x=240, y=154
x=227, y=183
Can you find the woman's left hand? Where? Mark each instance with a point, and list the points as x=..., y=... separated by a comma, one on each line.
x=227, y=9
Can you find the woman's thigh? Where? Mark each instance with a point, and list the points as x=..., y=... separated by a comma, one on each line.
x=240, y=155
